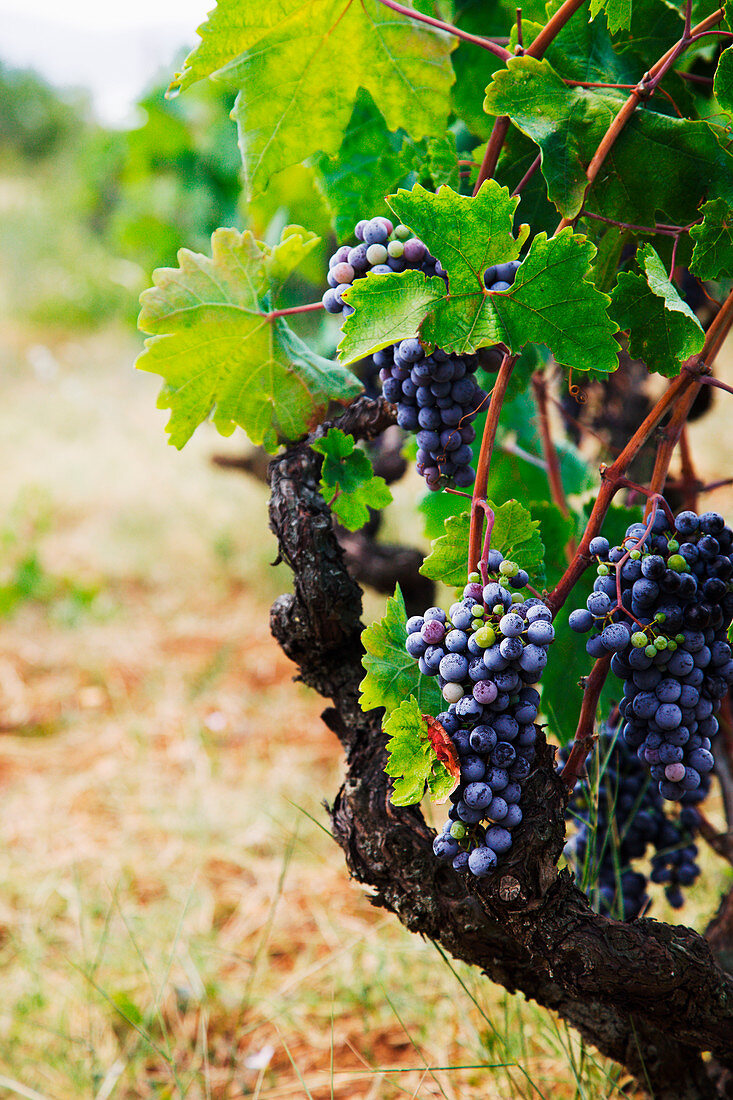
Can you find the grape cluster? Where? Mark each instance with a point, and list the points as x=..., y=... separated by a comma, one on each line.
x=617, y=826
x=437, y=397
x=501, y=276
x=382, y=248
x=436, y=394
x=667, y=634
x=486, y=653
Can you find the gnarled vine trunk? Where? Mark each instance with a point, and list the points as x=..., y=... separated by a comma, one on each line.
x=652, y=996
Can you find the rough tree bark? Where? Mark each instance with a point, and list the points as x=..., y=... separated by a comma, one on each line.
x=650, y=995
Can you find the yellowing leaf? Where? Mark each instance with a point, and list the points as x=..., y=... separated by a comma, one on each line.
x=222, y=356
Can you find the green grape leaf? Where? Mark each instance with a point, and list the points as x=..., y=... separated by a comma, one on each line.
x=391, y=673
x=281, y=260
x=447, y=561
x=583, y=50
x=723, y=81
x=441, y=162
x=282, y=59
x=618, y=13
x=466, y=234
x=514, y=533
x=412, y=759
x=555, y=530
x=348, y=484
x=658, y=163
x=551, y=302
x=388, y=308
x=229, y=30
x=220, y=354
x=371, y=162
x=663, y=330
x=713, y=253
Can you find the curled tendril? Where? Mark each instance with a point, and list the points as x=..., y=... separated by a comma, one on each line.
x=575, y=391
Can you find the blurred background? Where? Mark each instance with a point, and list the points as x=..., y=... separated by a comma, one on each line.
x=175, y=919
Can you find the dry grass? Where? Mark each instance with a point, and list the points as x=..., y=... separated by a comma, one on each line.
x=174, y=919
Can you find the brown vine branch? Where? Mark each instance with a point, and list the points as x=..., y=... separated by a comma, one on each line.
x=527, y=175
x=484, y=459
x=611, y=482
x=584, y=735
x=670, y=438
x=499, y=131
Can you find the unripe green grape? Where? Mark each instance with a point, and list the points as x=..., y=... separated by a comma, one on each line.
x=402, y=233
x=603, y=570
x=474, y=578
x=661, y=642
x=635, y=555
x=458, y=830
x=651, y=651
x=660, y=617
x=485, y=636
x=673, y=546
x=478, y=612
x=498, y=609
x=509, y=568
x=517, y=597
x=678, y=563
x=395, y=249
x=638, y=639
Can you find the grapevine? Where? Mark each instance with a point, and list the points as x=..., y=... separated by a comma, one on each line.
x=532, y=229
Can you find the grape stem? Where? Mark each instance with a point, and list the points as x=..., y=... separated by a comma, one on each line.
x=636, y=488
x=584, y=735
x=484, y=459
x=485, y=43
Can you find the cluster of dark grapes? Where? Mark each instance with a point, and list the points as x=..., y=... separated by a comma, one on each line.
x=437, y=397
x=382, y=248
x=501, y=276
x=486, y=653
x=436, y=394
x=667, y=634
x=619, y=822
